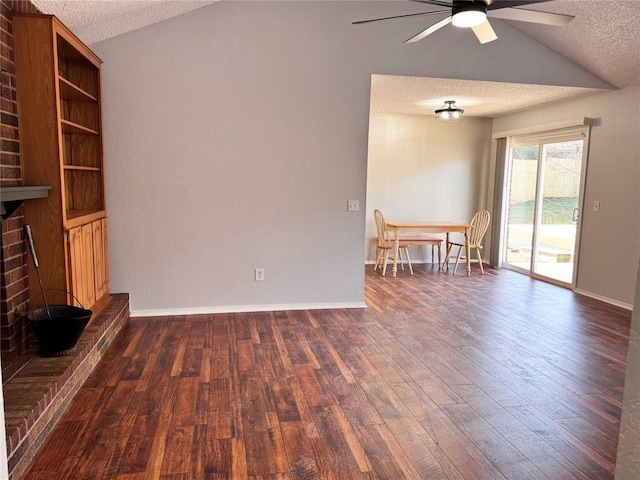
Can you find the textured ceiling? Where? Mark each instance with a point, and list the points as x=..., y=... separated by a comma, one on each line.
x=418, y=95
x=95, y=20
x=604, y=39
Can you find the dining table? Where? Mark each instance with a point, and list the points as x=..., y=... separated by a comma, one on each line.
x=403, y=227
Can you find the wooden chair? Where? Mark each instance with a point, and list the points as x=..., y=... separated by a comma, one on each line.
x=479, y=226
x=386, y=243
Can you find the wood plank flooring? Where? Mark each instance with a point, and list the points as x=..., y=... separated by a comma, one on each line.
x=442, y=377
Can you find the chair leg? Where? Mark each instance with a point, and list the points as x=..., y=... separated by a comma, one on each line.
x=480, y=261
x=433, y=253
x=386, y=260
x=406, y=249
x=380, y=254
x=401, y=259
x=440, y=256
x=457, y=259
x=446, y=258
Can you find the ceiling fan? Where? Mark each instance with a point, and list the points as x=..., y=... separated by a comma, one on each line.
x=474, y=14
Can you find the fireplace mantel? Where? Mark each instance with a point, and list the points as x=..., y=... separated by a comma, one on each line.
x=12, y=197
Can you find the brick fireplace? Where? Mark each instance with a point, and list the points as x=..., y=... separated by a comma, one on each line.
x=15, y=336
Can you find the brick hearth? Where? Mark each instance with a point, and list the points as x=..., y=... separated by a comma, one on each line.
x=37, y=390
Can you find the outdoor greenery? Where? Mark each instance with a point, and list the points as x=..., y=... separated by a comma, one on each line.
x=554, y=211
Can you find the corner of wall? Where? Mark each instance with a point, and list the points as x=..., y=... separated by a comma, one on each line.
x=628, y=460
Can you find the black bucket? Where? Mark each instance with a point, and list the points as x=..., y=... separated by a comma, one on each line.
x=58, y=335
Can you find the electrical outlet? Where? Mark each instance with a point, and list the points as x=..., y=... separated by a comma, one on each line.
x=353, y=205
x=596, y=206
x=259, y=274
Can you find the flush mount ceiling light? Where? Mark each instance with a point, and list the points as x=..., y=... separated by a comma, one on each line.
x=449, y=113
x=468, y=16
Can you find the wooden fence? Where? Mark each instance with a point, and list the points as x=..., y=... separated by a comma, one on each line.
x=561, y=180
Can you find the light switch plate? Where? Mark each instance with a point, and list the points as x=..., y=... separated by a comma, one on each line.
x=258, y=274
x=353, y=205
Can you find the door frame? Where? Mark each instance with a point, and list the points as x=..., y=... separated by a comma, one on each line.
x=540, y=138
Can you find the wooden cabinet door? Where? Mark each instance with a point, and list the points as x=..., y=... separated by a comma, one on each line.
x=105, y=249
x=76, y=284
x=81, y=266
x=98, y=259
x=88, y=262
x=88, y=257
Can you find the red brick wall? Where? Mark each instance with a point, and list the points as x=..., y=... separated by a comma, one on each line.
x=14, y=290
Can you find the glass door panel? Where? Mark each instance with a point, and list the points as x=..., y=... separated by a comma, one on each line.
x=556, y=224
x=523, y=174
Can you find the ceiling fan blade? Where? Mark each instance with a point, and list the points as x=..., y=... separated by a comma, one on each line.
x=484, y=32
x=429, y=31
x=496, y=4
x=359, y=22
x=438, y=3
x=531, y=16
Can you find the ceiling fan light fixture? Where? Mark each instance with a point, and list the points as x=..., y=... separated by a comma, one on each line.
x=449, y=113
x=469, y=16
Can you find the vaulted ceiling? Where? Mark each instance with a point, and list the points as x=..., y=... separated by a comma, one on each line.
x=603, y=38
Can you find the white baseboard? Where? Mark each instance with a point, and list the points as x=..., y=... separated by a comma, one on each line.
x=243, y=309
x=608, y=300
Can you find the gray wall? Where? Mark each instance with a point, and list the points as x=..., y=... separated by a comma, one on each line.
x=235, y=134
x=610, y=238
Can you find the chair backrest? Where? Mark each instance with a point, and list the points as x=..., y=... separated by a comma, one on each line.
x=381, y=227
x=479, y=226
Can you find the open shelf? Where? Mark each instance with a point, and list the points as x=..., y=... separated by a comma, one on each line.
x=76, y=69
x=83, y=189
x=81, y=168
x=84, y=113
x=70, y=91
x=82, y=150
x=75, y=128
x=75, y=214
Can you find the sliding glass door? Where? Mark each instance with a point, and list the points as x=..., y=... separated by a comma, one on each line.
x=544, y=182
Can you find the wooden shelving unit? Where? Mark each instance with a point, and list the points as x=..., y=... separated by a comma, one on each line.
x=59, y=110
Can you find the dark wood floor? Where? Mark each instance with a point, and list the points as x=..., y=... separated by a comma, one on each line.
x=441, y=377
